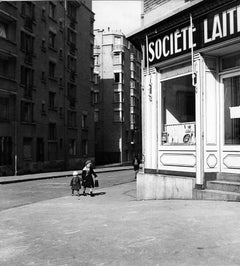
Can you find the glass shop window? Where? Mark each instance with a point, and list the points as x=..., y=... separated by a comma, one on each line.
x=232, y=110
x=230, y=61
x=178, y=103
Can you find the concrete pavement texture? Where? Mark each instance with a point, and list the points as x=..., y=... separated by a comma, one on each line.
x=113, y=228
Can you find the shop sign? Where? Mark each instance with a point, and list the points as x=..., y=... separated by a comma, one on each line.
x=234, y=112
x=205, y=31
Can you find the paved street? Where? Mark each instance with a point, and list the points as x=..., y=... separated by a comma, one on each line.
x=115, y=229
x=18, y=194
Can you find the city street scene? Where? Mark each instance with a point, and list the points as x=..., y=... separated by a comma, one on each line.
x=120, y=132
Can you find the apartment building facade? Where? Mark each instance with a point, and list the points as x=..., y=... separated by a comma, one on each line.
x=46, y=78
x=190, y=99
x=116, y=97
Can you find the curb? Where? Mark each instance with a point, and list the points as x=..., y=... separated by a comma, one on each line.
x=19, y=180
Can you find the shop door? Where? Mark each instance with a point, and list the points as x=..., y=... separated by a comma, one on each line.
x=230, y=123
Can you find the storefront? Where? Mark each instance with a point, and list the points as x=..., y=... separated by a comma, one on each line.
x=191, y=99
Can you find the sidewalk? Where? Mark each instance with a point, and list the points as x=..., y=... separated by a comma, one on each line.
x=114, y=229
x=31, y=177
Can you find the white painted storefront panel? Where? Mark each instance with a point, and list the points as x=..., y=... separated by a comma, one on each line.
x=211, y=109
x=180, y=161
x=231, y=162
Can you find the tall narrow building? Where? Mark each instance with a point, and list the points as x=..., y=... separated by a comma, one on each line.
x=46, y=78
x=116, y=98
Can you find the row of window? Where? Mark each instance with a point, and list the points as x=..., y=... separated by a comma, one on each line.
x=27, y=73
x=28, y=10
x=27, y=111
x=53, y=148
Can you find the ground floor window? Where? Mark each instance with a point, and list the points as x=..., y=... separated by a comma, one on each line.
x=27, y=148
x=178, y=109
x=40, y=150
x=85, y=147
x=72, y=147
x=5, y=150
x=232, y=110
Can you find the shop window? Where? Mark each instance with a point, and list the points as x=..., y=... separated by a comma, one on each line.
x=178, y=105
x=232, y=110
x=231, y=61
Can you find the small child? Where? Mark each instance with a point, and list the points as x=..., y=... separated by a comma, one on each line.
x=75, y=183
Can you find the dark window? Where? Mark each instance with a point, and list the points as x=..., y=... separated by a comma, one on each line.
x=71, y=37
x=71, y=63
x=52, y=37
x=4, y=108
x=27, y=43
x=85, y=147
x=52, y=131
x=27, y=76
x=117, y=77
x=40, y=150
x=28, y=9
x=27, y=148
x=52, y=67
x=72, y=147
x=52, y=9
x=72, y=11
x=5, y=150
x=3, y=30
x=84, y=121
x=72, y=119
x=72, y=94
x=51, y=100
x=27, y=111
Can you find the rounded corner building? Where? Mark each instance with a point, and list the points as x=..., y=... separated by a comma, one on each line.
x=190, y=99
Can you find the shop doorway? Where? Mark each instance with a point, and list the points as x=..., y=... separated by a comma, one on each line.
x=230, y=122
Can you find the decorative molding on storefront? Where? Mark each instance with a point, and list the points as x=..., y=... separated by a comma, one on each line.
x=232, y=161
x=212, y=161
x=178, y=159
x=152, y=70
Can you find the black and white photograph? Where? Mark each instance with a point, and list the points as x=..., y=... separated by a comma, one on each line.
x=120, y=133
